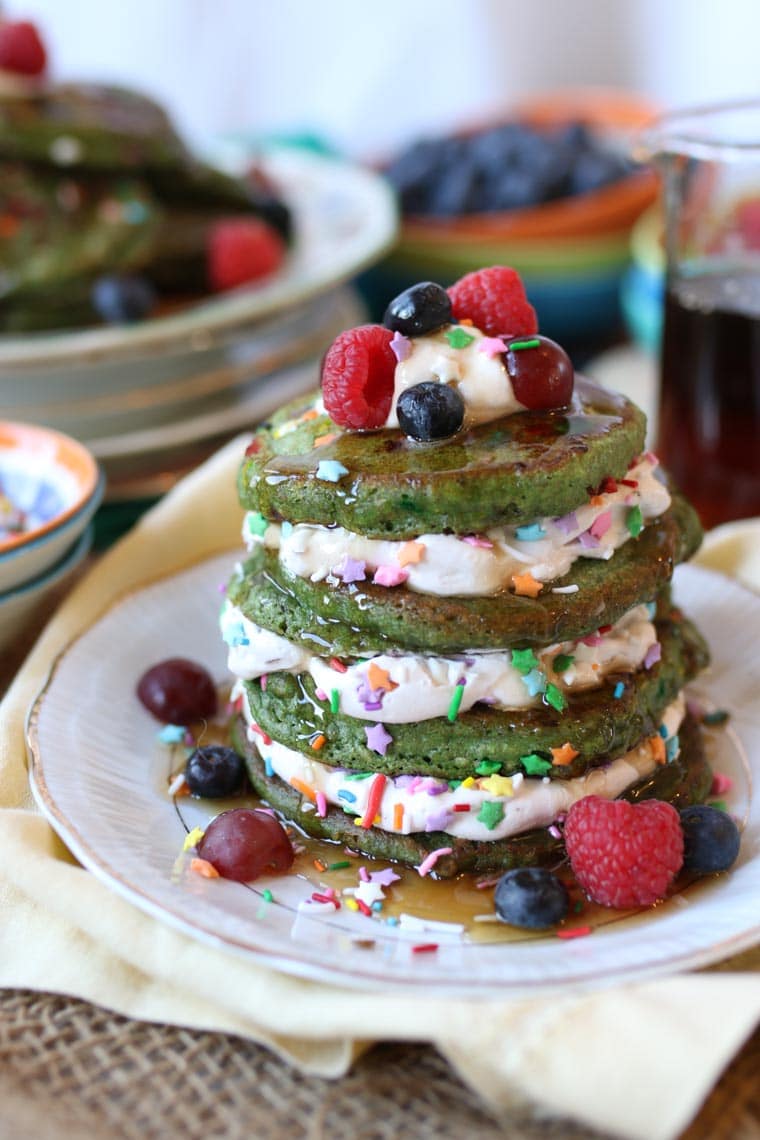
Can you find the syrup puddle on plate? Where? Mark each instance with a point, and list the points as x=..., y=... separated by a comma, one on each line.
x=465, y=901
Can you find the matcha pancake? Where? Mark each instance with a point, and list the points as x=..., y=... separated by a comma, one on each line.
x=83, y=124
x=364, y=618
x=510, y=470
x=598, y=725
x=683, y=781
x=63, y=232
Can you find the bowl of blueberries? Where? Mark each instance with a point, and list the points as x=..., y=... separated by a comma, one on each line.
x=551, y=189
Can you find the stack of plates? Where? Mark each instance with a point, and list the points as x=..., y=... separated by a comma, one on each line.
x=151, y=400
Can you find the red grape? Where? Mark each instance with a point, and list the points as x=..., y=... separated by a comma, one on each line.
x=177, y=691
x=244, y=843
x=542, y=376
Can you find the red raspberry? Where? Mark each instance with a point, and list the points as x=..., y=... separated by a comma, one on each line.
x=241, y=250
x=494, y=300
x=358, y=376
x=624, y=854
x=21, y=49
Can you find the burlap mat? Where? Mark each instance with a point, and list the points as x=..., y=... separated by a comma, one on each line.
x=70, y=1069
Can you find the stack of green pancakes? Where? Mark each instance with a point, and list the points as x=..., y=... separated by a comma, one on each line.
x=422, y=677
x=95, y=180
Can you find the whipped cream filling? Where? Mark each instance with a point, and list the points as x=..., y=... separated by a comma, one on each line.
x=477, y=370
x=405, y=688
x=517, y=803
x=447, y=565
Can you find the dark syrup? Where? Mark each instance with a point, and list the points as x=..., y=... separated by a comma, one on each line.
x=465, y=900
x=709, y=428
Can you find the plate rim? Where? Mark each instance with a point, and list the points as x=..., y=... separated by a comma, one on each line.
x=306, y=967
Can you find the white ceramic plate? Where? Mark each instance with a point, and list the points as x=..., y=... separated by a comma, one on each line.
x=100, y=777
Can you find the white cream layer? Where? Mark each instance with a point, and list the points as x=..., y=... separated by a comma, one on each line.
x=420, y=687
x=473, y=566
x=481, y=378
x=527, y=801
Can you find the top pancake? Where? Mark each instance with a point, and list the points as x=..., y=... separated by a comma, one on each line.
x=509, y=471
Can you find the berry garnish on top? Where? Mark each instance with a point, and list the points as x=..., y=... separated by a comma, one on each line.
x=494, y=300
x=240, y=250
x=21, y=49
x=423, y=308
x=463, y=356
x=541, y=372
x=357, y=377
x=430, y=411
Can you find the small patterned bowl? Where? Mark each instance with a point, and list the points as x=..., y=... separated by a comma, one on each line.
x=50, y=487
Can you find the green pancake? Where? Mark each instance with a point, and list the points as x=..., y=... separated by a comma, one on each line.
x=509, y=471
x=105, y=127
x=682, y=782
x=360, y=618
x=597, y=725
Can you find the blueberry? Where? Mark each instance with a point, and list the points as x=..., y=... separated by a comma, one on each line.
x=711, y=839
x=430, y=411
x=531, y=897
x=421, y=308
x=214, y=772
x=120, y=299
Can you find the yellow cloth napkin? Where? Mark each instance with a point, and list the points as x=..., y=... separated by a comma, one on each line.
x=636, y=1060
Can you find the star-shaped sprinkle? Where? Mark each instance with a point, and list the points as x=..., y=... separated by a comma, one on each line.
x=659, y=752
x=497, y=785
x=491, y=814
x=563, y=756
x=203, y=868
x=524, y=660
x=587, y=540
x=601, y=525
x=380, y=678
x=378, y=739
x=351, y=569
x=172, y=734
x=256, y=523
x=331, y=471
x=567, y=523
x=535, y=682
x=526, y=585
x=488, y=767
x=385, y=877
x=410, y=552
x=458, y=338
x=555, y=697
x=400, y=346
x=492, y=346
x=369, y=892
x=438, y=820
x=390, y=576
x=535, y=765
x=532, y=533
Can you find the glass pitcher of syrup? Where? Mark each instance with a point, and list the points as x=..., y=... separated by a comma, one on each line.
x=709, y=412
